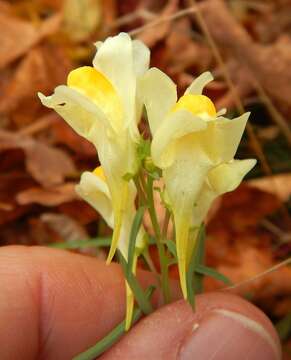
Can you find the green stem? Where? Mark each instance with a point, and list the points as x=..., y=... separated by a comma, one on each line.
x=160, y=246
x=140, y=192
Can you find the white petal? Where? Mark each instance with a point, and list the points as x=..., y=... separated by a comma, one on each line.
x=197, y=86
x=227, y=177
x=78, y=111
x=95, y=191
x=176, y=125
x=158, y=93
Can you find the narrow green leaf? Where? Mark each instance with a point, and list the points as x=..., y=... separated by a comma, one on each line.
x=138, y=292
x=132, y=238
x=207, y=271
x=172, y=248
x=198, y=278
x=80, y=244
x=110, y=339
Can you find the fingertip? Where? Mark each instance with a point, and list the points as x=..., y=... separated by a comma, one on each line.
x=223, y=327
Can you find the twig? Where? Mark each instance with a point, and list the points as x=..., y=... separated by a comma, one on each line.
x=258, y=276
x=129, y=18
x=163, y=19
x=275, y=114
x=255, y=144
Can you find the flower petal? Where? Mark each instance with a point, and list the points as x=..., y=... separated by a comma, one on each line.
x=90, y=82
x=96, y=193
x=197, y=86
x=221, y=138
x=115, y=60
x=158, y=93
x=177, y=125
x=183, y=180
x=227, y=177
x=141, y=57
x=77, y=110
x=220, y=180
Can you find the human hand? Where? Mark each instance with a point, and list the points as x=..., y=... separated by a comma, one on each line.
x=55, y=304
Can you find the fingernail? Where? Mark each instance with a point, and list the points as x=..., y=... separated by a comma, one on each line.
x=227, y=335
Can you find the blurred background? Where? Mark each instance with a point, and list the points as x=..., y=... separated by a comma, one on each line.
x=247, y=46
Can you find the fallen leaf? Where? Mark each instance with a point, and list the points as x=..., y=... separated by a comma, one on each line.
x=67, y=228
x=279, y=185
x=258, y=59
x=151, y=36
x=64, y=134
x=47, y=165
x=52, y=196
x=18, y=36
x=38, y=71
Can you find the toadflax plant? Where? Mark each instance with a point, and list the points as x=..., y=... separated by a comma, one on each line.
x=191, y=152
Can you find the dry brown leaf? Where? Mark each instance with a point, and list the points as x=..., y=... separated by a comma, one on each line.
x=64, y=134
x=66, y=227
x=152, y=35
x=270, y=65
x=38, y=71
x=52, y=196
x=47, y=165
x=18, y=36
x=183, y=51
x=279, y=185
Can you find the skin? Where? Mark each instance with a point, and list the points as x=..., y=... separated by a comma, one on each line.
x=55, y=304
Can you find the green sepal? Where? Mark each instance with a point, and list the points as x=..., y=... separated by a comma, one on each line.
x=172, y=248
x=137, y=221
x=194, y=279
x=138, y=292
x=128, y=176
x=143, y=149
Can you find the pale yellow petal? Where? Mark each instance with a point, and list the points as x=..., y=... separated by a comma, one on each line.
x=141, y=57
x=94, y=85
x=77, y=110
x=158, y=93
x=221, y=138
x=227, y=177
x=95, y=192
x=176, y=126
x=184, y=180
x=114, y=59
x=197, y=86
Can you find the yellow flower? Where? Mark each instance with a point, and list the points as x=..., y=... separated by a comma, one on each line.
x=93, y=188
x=100, y=104
x=189, y=140
x=220, y=180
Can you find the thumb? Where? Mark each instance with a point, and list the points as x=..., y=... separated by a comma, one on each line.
x=224, y=327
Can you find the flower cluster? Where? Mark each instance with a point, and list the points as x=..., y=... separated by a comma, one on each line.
x=192, y=145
